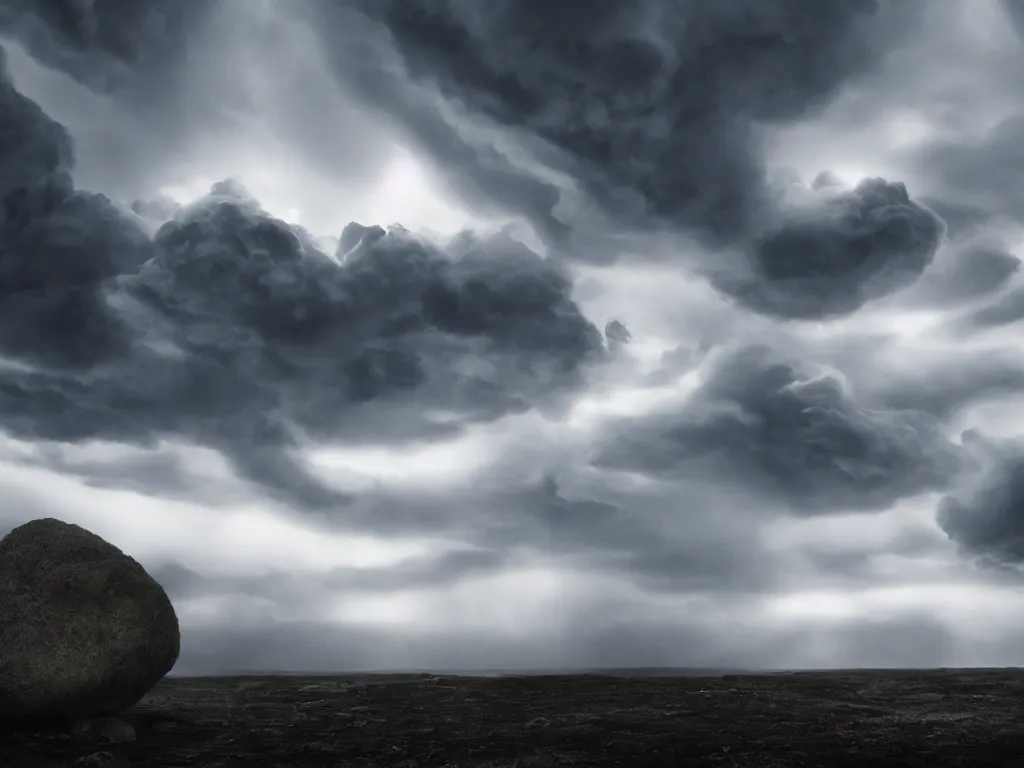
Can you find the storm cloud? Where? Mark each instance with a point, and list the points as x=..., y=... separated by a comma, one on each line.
x=650, y=105
x=799, y=438
x=661, y=129
x=832, y=259
x=529, y=334
x=985, y=517
x=231, y=328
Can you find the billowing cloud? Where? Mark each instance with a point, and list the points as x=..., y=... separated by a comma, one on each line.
x=561, y=414
x=57, y=244
x=111, y=45
x=800, y=439
x=649, y=105
x=653, y=109
x=231, y=328
x=832, y=258
x=985, y=517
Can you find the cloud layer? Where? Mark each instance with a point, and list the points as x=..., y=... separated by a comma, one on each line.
x=709, y=312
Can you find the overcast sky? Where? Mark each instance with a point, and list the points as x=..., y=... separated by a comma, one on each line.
x=458, y=334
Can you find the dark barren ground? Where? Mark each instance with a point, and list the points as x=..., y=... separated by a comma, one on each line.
x=827, y=719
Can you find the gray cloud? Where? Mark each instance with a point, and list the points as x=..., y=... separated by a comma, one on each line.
x=961, y=219
x=639, y=131
x=653, y=108
x=646, y=539
x=649, y=104
x=294, y=591
x=157, y=472
x=830, y=260
x=1005, y=310
x=56, y=244
x=158, y=91
x=1015, y=10
x=232, y=329
x=970, y=273
x=985, y=172
x=800, y=439
x=133, y=54
x=985, y=517
x=944, y=388
x=663, y=126
x=111, y=45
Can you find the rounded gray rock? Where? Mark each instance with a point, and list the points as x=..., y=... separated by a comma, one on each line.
x=84, y=630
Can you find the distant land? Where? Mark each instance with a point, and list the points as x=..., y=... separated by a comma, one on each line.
x=634, y=672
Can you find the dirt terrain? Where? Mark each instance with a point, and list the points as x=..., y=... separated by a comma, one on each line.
x=940, y=718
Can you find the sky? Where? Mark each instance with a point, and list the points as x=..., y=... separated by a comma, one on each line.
x=440, y=334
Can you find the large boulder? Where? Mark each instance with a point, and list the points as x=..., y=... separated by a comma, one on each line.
x=84, y=630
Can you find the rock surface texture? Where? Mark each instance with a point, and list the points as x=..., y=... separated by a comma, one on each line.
x=84, y=630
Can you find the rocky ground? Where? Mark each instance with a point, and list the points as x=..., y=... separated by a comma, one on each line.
x=947, y=718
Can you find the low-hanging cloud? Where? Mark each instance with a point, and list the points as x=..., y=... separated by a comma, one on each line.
x=760, y=422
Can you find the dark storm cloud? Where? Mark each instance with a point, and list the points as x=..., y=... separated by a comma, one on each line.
x=832, y=259
x=238, y=333
x=156, y=90
x=57, y=244
x=650, y=104
x=986, y=517
x=110, y=45
x=134, y=55
x=616, y=334
x=653, y=110
x=476, y=168
x=801, y=441
x=34, y=149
